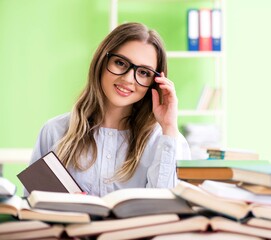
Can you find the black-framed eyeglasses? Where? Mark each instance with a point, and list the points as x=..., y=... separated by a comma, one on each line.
x=119, y=65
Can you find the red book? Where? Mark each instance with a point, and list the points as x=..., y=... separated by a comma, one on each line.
x=205, y=38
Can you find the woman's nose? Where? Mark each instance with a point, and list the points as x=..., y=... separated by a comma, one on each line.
x=130, y=76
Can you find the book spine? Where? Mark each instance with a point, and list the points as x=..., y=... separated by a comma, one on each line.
x=216, y=29
x=193, y=29
x=205, y=41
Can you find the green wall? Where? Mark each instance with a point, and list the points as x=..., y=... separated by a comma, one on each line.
x=46, y=47
x=249, y=76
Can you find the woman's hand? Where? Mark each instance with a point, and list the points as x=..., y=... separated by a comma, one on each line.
x=166, y=113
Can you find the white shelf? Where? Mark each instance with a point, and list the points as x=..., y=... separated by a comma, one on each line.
x=193, y=54
x=15, y=155
x=200, y=113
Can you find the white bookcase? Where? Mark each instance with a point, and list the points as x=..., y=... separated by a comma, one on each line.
x=219, y=67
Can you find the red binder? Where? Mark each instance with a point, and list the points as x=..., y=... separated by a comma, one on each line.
x=205, y=38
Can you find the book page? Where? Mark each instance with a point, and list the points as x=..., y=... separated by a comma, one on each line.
x=11, y=205
x=231, y=191
x=56, y=197
x=62, y=173
x=114, y=198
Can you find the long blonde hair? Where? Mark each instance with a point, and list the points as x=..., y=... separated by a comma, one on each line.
x=88, y=112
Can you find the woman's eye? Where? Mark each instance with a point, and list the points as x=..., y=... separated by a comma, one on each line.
x=120, y=63
x=144, y=73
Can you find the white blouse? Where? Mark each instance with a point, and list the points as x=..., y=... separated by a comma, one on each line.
x=156, y=169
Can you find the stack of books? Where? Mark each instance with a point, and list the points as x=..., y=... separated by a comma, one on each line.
x=212, y=210
x=232, y=154
x=201, y=136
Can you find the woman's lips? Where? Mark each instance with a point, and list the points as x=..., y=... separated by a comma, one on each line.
x=123, y=91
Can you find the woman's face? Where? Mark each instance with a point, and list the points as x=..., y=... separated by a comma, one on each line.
x=124, y=90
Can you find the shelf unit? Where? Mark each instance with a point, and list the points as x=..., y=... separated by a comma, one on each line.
x=219, y=68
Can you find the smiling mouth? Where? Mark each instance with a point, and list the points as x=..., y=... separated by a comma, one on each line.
x=123, y=89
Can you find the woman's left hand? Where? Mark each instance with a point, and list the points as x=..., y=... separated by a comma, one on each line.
x=166, y=113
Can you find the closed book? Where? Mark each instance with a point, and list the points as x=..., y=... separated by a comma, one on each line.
x=193, y=29
x=216, y=29
x=260, y=174
x=212, y=169
x=48, y=174
x=205, y=39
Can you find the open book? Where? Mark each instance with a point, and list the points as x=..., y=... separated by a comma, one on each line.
x=29, y=230
x=235, y=209
x=48, y=174
x=206, y=236
x=121, y=203
x=19, y=208
x=232, y=191
x=7, y=188
x=97, y=227
x=193, y=224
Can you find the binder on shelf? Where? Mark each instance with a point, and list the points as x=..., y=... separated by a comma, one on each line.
x=205, y=40
x=216, y=29
x=193, y=29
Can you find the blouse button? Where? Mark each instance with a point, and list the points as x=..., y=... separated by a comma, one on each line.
x=166, y=148
x=108, y=156
x=110, y=133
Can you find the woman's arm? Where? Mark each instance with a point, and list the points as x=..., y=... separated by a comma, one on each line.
x=162, y=171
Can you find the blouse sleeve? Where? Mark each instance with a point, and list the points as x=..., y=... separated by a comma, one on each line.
x=43, y=144
x=167, y=150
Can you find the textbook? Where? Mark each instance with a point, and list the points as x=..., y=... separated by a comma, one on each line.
x=20, y=209
x=260, y=175
x=212, y=169
x=7, y=188
x=98, y=227
x=48, y=174
x=206, y=236
x=29, y=230
x=232, y=191
x=256, y=189
x=232, y=154
x=193, y=224
x=122, y=203
x=235, y=209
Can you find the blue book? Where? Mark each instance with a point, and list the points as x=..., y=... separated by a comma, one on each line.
x=216, y=29
x=193, y=29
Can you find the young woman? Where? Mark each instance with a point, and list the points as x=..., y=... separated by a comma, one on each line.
x=122, y=131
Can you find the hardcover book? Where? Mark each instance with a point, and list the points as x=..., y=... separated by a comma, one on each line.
x=213, y=169
x=19, y=208
x=48, y=174
x=235, y=209
x=7, y=188
x=123, y=203
x=194, y=224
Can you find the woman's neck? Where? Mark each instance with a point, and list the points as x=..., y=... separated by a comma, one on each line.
x=114, y=118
